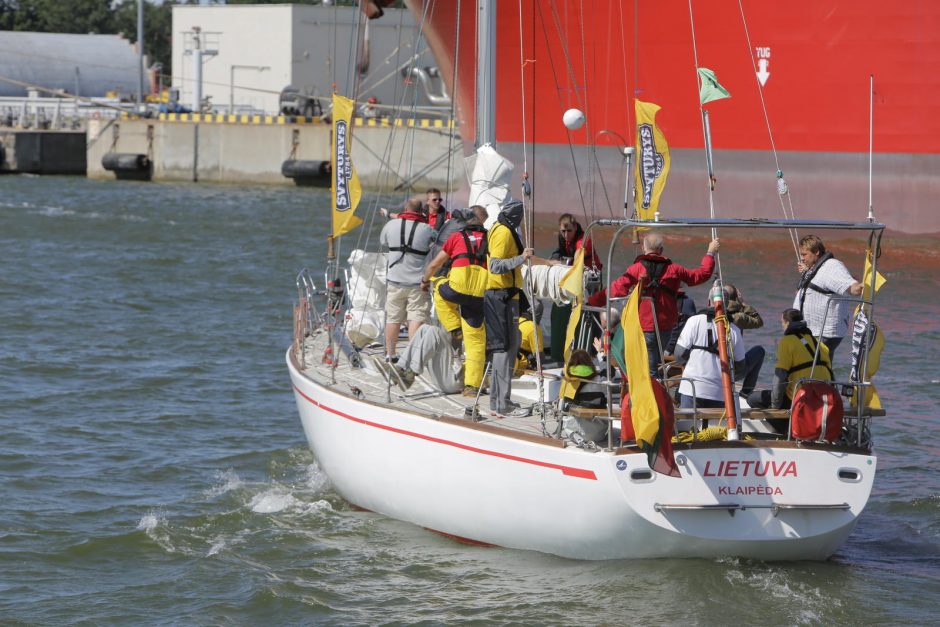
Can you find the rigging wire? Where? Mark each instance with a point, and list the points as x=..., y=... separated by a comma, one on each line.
x=590, y=149
x=352, y=78
x=706, y=138
x=551, y=61
x=529, y=229
x=522, y=64
x=453, y=102
x=782, y=186
x=365, y=234
x=535, y=69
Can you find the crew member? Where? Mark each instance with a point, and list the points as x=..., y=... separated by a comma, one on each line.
x=822, y=277
x=570, y=240
x=505, y=256
x=436, y=212
x=528, y=328
x=408, y=238
x=661, y=282
x=698, y=346
x=458, y=298
x=744, y=316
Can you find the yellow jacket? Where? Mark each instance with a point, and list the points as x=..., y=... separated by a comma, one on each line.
x=502, y=245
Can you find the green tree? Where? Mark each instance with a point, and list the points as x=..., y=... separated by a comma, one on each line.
x=54, y=16
x=158, y=25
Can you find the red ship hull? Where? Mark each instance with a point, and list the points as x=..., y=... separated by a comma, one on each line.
x=815, y=58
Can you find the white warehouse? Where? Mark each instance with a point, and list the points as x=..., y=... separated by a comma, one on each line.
x=249, y=53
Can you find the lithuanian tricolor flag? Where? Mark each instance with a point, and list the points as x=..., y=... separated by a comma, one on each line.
x=648, y=407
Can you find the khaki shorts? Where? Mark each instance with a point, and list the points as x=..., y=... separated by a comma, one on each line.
x=411, y=303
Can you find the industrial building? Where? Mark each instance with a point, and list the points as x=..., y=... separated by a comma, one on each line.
x=83, y=65
x=239, y=58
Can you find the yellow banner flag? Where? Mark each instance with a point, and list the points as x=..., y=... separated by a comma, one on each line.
x=644, y=410
x=652, y=161
x=345, y=185
x=866, y=332
x=573, y=283
x=866, y=279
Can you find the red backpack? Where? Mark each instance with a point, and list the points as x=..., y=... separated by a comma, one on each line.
x=817, y=407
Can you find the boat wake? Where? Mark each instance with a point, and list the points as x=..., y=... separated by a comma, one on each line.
x=809, y=603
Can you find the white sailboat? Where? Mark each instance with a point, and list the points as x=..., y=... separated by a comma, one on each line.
x=428, y=458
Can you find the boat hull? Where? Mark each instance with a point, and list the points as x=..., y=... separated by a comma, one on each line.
x=449, y=476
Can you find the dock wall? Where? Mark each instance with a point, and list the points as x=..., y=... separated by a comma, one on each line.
x=42, y=152
x=387, y=156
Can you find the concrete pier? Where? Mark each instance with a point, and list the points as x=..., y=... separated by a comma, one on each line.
x=388, y=155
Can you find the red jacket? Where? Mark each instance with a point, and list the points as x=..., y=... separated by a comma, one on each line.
x=568, y=249
x=437, y=218
x=673, y=277
x=413, y=215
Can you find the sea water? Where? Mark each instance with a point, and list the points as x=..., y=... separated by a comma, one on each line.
x=154, y=470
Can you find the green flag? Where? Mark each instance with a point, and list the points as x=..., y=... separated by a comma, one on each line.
x=711, y=89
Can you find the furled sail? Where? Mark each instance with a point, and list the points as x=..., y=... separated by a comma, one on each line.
x=490, y=175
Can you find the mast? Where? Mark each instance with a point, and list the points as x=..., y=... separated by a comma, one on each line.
x=140, y=56
x=871, y=142
x=486, y=73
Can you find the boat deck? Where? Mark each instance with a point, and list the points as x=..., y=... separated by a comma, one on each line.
x=367, y=383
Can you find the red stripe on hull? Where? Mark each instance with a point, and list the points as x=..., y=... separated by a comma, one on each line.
x=569, y=471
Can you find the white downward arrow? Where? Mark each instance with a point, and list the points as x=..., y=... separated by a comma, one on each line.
x=762, y=73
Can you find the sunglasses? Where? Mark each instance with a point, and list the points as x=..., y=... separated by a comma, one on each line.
x=434, y=199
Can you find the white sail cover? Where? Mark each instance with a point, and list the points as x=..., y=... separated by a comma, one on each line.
x=367, y=294
x=546, y=283
x=489, y=175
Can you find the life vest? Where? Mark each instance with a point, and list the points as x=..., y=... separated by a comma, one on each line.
x=437, y=219
x=468, y=273
x=471, y=255
x=711, y=344
x=809, y=343
x=405, y=243
x=655, y=269
x=806, y=281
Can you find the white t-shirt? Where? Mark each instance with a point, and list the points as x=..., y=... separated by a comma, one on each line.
x=703, y=367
